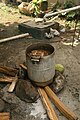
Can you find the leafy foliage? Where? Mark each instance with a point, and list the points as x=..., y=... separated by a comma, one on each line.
x=36, y=6
x=69, y=4
x=57, y=6
x=70, y=16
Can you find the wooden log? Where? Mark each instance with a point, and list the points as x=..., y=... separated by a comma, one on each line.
x=6, y=79
x=8, y=70
x=62, y=108
x=14, y=37
x=23, y=66
x=5, y=116
x=13, y=84
x=62, y=11
x=50, y=111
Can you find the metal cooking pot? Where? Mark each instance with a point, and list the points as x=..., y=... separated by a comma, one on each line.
x=41, y=69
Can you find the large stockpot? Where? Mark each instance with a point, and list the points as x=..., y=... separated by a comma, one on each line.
x=41, y=70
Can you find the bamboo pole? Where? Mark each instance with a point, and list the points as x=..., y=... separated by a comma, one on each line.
x=62, y=11
x=14, y=37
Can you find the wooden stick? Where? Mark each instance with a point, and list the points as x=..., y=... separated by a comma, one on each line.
x=62, y=108
x=23, y=66
x=6, y=79
x=14, y=37
x=5, y=116
x=8, y=70
x=50, y=111
x=13, y=84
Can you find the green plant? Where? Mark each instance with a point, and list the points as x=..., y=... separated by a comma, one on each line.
x=73, y=15
x=69, y=4
x=36, y=6
x=57, y=6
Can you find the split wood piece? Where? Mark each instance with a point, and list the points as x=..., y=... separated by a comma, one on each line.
x=50, y=111
x=6, y=79
x=5, y=116
x=13, y=84
x=23, y=66
x=8, y=70
x=62, y=108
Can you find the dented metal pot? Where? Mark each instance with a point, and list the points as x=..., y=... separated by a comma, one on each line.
x=40, y=60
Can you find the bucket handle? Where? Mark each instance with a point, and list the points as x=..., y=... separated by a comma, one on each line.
x=35, y=59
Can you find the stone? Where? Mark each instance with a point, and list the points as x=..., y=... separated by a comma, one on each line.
x=26, y=91
x=38, y=20
x=23, y=7
x=62, y=28
x=48, y=35
x=54, y=32
x=58, y=82
x=18, y=109
x=2, y=105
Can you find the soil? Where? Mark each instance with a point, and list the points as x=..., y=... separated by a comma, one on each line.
x=12, y=53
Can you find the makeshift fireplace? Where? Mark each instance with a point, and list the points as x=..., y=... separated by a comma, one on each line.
x=41, y=70
x=40, y=65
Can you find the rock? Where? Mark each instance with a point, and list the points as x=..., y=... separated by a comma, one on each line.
x=18, y=108
x=48, y=35
x=37, y=20
x=10, y=98
x=2, y=105
x=58, y=83
x=62, y=29
x=55, y=26
x=54, y=32
x=26, y=91
x=24, y=8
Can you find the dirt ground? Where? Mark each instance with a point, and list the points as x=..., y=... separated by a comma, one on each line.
x=12, y=53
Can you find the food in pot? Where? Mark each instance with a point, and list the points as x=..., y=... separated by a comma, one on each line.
x=39, y=53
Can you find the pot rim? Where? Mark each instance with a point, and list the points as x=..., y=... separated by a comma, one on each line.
x=40, y=44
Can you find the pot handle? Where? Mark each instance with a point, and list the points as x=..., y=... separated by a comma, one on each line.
x=35, y=58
